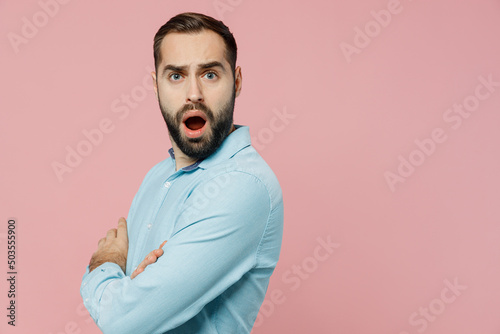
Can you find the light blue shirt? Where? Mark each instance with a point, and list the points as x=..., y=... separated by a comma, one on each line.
x=223, y=219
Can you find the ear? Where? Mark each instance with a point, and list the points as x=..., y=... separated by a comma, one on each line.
x=237, y=80
x=155, y=84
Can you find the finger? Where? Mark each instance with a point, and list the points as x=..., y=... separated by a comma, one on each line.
x=121, y=231
x=101, y=241
x=111, y=233
x=136, y=272
x=149, y=259
x=158, y=252
x=140, y=268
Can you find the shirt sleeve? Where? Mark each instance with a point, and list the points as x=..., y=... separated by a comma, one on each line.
x=216, y=242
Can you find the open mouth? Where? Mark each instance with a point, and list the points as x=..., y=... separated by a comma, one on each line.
x=194, y=123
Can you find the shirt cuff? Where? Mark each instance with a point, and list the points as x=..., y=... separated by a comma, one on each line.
x=94, y=284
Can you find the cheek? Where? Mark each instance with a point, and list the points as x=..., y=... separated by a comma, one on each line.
x=219, y=97
x=172, y=100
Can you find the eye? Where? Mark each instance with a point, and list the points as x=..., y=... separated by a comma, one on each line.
x=175, y=76
x=211, y=75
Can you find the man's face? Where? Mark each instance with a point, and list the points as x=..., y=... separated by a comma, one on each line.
x=196, y=91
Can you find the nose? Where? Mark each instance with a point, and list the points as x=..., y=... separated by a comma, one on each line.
x=194, y=93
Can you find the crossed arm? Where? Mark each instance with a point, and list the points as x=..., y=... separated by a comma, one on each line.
x=209, y=251
x=114, y=247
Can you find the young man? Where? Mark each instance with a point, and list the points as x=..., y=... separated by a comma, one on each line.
x=214, y=205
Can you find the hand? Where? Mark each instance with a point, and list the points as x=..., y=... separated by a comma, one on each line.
x=112, y=248
x=149, y=259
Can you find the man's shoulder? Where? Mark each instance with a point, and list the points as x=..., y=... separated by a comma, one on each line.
x=248, y=164
x=250, y=161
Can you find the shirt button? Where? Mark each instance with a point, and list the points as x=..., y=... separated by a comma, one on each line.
x=84, y=283
x=86, y=300
x=149, y=226
x=167, y=184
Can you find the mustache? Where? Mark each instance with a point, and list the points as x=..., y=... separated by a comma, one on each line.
x=194, y=106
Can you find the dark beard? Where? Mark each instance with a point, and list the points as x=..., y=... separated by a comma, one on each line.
x=203, y=146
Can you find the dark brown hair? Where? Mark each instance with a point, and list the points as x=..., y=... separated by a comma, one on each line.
x=194, y=23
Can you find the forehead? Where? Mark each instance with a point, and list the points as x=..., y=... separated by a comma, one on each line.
x=187, y=48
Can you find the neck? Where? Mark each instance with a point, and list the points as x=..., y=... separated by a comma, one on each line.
x=181, y=160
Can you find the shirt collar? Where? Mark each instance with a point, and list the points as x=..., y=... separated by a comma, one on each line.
x=235, y=142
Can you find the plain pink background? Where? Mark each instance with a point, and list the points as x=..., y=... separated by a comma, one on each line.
x=349, y=121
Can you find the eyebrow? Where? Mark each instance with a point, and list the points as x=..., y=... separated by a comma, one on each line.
x=204, y=66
